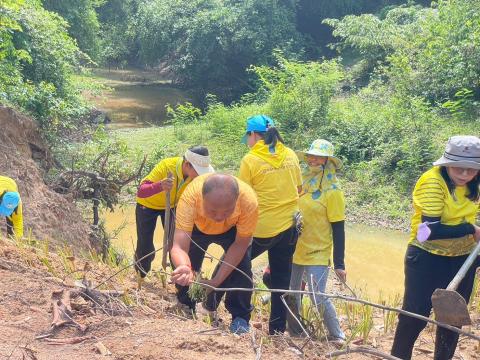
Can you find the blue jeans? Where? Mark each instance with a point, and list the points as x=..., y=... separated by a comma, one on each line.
x=316, y=278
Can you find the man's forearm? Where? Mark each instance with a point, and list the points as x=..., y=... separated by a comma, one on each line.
x=179, y=257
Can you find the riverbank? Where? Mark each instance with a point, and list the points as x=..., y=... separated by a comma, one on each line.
x=367, y=203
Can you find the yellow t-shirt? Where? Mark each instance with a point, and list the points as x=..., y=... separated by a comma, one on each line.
x=432, y=198
x=319, y=209
x=275, y=177
x=160, y=172
x=8, y=184
x=190, y=211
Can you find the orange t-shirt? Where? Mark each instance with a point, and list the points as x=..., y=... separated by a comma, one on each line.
x=190, y=211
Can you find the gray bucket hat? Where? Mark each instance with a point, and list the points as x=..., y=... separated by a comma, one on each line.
x=461, y=151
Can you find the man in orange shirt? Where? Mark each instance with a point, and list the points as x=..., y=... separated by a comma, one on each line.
x=218, y=209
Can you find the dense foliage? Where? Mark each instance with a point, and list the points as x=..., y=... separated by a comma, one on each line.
x=420, y=88
x=37, y=63
x=430, y=52
x=209, y=44
x=83, y=22
x=407, y=79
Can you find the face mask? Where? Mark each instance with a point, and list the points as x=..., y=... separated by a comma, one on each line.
x=316, y=169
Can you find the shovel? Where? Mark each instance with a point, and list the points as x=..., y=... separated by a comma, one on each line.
x=448, y=305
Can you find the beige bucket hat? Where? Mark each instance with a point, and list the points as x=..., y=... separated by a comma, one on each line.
x=321, y=147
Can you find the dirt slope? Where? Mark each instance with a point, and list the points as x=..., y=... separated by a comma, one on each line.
x=150, y=328
x=24, y=157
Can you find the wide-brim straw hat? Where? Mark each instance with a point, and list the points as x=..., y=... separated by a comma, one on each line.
x=321, y=147
x=461, y=151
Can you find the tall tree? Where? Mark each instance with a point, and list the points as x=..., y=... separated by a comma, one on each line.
x=83, y=22
x=117, y=32
x=210, y=44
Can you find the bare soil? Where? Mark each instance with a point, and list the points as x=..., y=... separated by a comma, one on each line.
x=151, y=327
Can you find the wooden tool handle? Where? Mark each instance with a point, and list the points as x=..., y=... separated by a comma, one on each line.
x=166, y=226
x=463, y=270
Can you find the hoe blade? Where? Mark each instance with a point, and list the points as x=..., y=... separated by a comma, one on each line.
x=450, y=308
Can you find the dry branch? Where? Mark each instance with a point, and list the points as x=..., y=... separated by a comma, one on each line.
x=74, y=340
x=257, y=348
x=362, y=350
x=62, y=311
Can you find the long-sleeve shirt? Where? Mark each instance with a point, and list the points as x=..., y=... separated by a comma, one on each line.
x=8, y=184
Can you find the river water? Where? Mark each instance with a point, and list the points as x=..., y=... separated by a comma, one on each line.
x=374, y=256
x=138, y=98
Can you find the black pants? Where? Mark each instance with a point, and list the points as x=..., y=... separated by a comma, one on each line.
x=425, y=272
x=237, y=302
x=146, y=221
x=280, y=253
x=9, y=227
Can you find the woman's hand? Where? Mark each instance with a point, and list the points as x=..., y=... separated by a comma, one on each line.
x=182, y=275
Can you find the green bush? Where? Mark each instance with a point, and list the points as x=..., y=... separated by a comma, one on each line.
x=37, y=61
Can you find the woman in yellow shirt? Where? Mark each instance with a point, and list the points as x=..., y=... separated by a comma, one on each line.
x=11, y=206
x=273, y=171
x=323, y=208
x=443, y=233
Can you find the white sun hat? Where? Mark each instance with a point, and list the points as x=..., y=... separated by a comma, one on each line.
x=201, y=163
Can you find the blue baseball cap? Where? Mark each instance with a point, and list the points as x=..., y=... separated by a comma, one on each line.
x=257, y=123
x=10, y=201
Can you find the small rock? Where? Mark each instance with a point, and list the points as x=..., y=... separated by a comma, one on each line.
x=257, y=325
x=102, y=349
